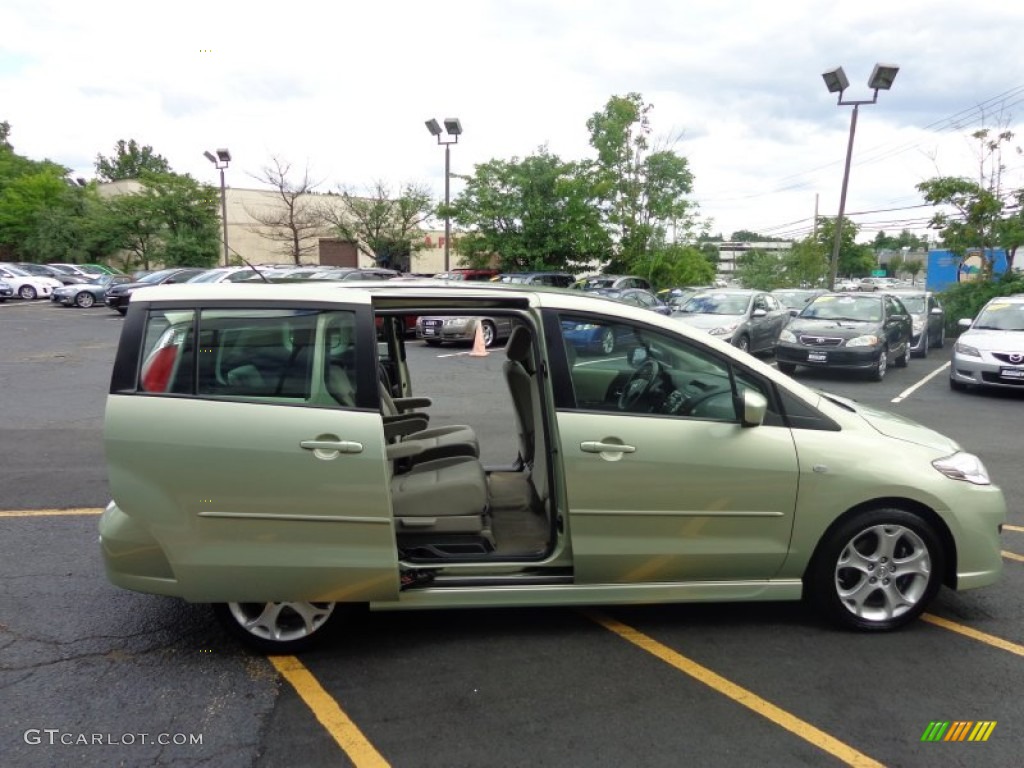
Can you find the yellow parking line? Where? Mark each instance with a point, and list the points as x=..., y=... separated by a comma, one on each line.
x=740, y=695
x=995, y=642
x=50, y=512
x=1016, y=528
x=346, y=733
x=1012, y=556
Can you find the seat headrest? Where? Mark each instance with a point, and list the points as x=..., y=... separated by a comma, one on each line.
x=519, y=343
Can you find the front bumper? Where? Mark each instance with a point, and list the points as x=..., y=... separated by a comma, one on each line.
x=986, y=371
x=853, y=358
x=446, y=332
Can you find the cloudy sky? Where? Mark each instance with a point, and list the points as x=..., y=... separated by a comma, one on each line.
x=345, y=87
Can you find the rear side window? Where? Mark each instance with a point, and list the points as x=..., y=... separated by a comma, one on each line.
x=290, y=355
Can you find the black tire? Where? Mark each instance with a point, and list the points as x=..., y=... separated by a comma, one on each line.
x=876, y=571
x=957, y=386
x=942, y=339
x=28, y=293
x=924, y=347
x=787, y=368
x=878, y=372
x=299, y=626
x=903, y=360
x=432, y=342
x=743, y=343
x=122, y=311
x=84, y=299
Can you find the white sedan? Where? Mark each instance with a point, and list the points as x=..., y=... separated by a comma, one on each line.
x=28, y=286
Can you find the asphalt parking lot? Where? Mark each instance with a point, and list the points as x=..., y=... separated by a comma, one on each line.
x=96, y=676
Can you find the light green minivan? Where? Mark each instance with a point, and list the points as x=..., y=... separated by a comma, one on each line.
x=268, y=454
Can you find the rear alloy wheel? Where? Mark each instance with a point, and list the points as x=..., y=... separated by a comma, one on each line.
x=877, y=570
x=277, y=627
x=28, y=293
x=84, y=300
x=607, y=341
x=489, y=333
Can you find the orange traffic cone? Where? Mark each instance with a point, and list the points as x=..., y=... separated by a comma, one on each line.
x=479, y=348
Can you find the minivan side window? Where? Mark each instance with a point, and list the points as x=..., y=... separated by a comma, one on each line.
x=251, y=353
x=615, y=367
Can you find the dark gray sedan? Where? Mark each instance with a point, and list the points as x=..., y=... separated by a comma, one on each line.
x=928, y=319
x=748, y=319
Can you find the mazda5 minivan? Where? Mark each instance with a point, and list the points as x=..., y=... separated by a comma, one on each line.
x=270, y=453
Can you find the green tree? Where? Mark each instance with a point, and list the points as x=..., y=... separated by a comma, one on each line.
x=172, y=220
x=536, y=213
x=913, y=268
x=806, y=263
x=643, y=191
x=855, y=260
x=130, y=161
x=384, y=226
x=896, y=264
x=981, y=217
x=675, y=265
x=763, y=270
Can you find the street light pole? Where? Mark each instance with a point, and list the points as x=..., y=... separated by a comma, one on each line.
x=220, y=161
x=453, y=127
x=881, y=79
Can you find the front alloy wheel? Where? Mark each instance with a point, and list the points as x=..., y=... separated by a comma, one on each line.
x=607, y=341
x=883, y=364
x=85, y=300
x=877, y=571
x=276, y=627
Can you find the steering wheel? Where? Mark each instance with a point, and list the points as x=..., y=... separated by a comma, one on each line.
x=639, y=384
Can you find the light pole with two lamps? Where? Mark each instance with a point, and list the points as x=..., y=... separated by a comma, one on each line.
x=453, y=127
x=836, y=82
x=220, y=161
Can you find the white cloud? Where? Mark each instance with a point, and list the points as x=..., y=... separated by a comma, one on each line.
x=345, y=87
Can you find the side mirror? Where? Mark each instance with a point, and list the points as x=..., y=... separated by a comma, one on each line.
x=936, y=311
x=793, y=311
x=964, y=322
x=753, y=407
x=758, y=313
x=637, y=356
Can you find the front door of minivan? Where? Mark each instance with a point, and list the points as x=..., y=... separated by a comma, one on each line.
x=255, y=457
x=691, y=495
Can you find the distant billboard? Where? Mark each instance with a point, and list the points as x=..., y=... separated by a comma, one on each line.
x=946, y=268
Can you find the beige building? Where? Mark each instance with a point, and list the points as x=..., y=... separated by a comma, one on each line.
x=248, y=238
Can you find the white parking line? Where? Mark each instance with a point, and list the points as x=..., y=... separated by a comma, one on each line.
x=455, y=354
x=910, y=390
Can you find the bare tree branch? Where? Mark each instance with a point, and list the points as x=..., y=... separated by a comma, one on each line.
x=297, y=223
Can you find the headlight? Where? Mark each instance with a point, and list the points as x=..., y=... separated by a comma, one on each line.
x=918, y=326
x=724, y=330
x=787, y=336
x=863, y=341
x=963, y=466
x=455, y=321
x=966, y=349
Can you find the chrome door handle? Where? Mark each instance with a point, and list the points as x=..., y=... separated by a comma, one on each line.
x=596, y=446
x=331, y=446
